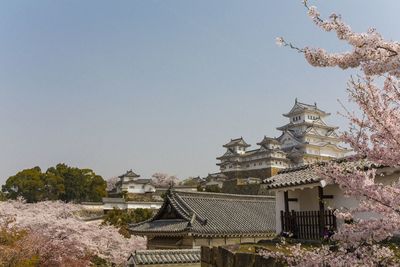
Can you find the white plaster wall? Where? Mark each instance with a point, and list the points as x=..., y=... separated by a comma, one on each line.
x=110, y=206
x=138, y=188
x=143, y=205
x=293, y=205
x=132, y=205
x=279, y=205
x=308, y=199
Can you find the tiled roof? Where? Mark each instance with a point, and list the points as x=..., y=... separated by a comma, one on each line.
x=216, y=175
x=306, y=175
x=129, y=173
x=171, y=225
x=292, y=177
x=268, y=140
x=237, y=142
x=211, y=214
x=113, y=200
x=298, y=106
x=165, y=256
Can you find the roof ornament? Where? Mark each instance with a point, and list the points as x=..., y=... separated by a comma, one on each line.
x=315, y=104
x=295, y=100
x=170, y=189
x=192, y=219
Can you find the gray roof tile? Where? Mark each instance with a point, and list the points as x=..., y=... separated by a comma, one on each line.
x=165, y=256
x=292, y=177
x=211, y=214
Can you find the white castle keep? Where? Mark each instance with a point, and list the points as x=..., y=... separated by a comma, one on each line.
x=305, y=139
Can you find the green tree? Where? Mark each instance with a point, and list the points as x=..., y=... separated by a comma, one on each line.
x=97, y=187
x=54, y=186
x=3, y=196
x=58, y=183
x=122, y=218
x=28, y=184
x=79, y=184
x=191, y=181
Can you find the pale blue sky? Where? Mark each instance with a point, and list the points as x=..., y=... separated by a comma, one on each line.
x=159, y=86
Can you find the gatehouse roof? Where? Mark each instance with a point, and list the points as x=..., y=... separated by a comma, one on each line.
x=211, y=214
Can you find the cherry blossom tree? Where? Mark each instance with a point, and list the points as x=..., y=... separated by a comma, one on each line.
x=66, y=234
x=111, y=183
x=375, y=138
x=164, y=180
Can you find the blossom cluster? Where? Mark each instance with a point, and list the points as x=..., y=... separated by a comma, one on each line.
x=374, y=137
x=59, y=223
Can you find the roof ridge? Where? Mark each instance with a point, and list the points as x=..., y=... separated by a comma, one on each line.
x=183, y=203
x=149, y=251
x=310, y=105
x=223, y=194
x=181, y=210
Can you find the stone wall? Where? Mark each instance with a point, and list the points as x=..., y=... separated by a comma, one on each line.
x=231, y=187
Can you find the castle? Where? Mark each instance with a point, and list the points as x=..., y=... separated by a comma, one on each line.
x=305, y=139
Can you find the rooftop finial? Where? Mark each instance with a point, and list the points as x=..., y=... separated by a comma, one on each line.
x=169, y=190
x=295, y=100
x=315, y=104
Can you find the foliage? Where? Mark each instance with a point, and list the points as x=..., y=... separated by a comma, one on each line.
x=57, y=183
x=28, y=184
x=191, y=181
x=138, y=197
x=3, y=196
x=375, y=137
x=122, y=218
x=80, y=184
x=213, y=188
x=164, y=180
x=56, y=233
x=96, y=261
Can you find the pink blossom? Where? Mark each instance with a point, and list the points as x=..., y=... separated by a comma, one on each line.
x=375, y=139
x=60, y=222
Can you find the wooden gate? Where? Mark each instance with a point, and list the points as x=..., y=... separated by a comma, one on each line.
x=310, y=225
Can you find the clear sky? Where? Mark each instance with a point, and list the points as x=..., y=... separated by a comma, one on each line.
x=160, y=86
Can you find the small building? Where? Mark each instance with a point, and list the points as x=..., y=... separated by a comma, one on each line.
x=189, y=220
x=131, y=182
x=305, y=203
x=170, y=257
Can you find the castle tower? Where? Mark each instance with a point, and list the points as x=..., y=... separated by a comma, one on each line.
x=307, y=138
